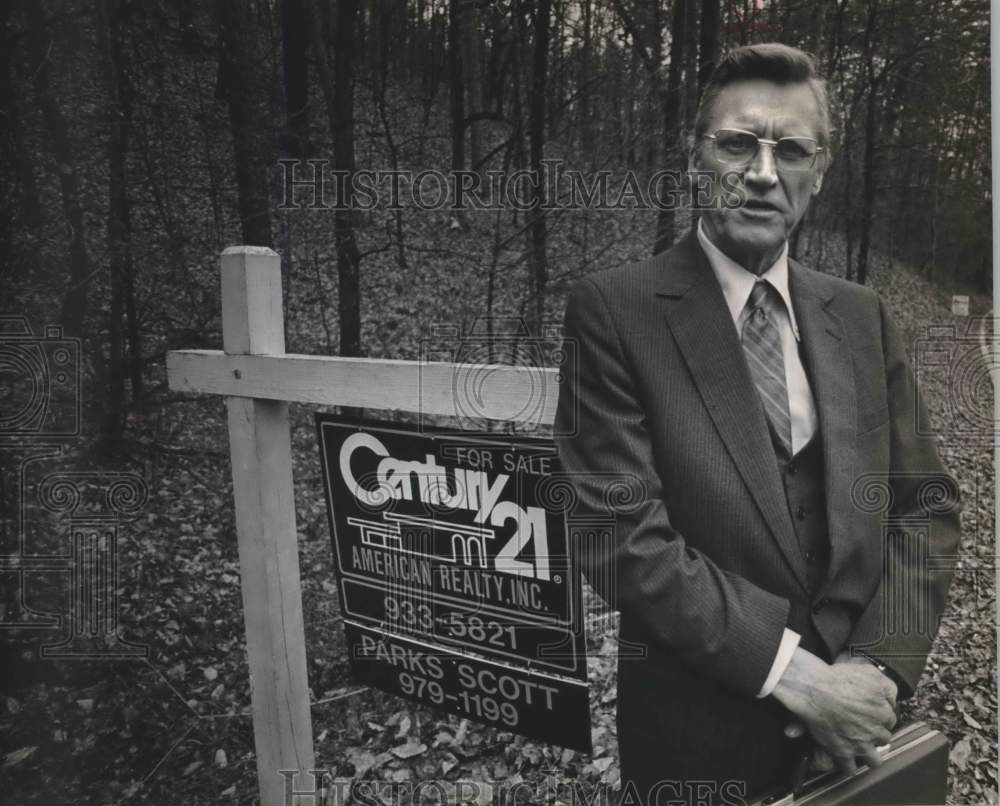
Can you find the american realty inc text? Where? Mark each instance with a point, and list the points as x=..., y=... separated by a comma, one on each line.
x=315, y=185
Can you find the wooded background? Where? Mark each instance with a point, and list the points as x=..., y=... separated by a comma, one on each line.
x=139, y=138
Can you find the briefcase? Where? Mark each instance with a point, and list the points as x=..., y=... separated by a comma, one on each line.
x=914, y=772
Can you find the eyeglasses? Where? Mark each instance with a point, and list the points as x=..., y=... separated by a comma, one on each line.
x=737, y=148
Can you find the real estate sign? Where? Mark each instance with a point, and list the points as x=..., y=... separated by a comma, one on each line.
x=456, y=581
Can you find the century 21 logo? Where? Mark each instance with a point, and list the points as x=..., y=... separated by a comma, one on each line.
x=452, y=488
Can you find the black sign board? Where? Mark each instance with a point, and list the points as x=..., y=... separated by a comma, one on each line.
x=545, y=707
x=453, y=549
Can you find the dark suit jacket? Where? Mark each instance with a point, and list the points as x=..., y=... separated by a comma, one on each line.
x=705, y=566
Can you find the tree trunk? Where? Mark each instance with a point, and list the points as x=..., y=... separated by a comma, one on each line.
x=536, y=138
x=74, y=304
x=666, y=225
x=243, y=74
x=119, y=225
x=381, y=87
x=708, y=47
x=348, y=256
x=338, y=93
x=456, y=86
x=470, y=38
x=295, y=70
x=19, y=157
x=871, y=132
x=691, y=64
x=586, y=71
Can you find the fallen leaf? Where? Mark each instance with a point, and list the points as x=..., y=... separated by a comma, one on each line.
x=601, y=764
x=448, y=763
x=362, y=761
x=16, y=757
x=972, y=723
x=210, y=673
x=190, y=768
x=220, y=758
x=960, y=753
x=409, y=750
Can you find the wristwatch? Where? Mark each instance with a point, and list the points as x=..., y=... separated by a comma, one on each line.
x=895, y=678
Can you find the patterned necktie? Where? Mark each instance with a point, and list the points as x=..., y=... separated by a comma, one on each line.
x=766, y=361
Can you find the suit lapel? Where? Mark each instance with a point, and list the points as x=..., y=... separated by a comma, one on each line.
x=703, y=329
x=831, y=376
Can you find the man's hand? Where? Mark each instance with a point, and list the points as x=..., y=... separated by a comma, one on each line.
x=847, y=657
x=848, y=707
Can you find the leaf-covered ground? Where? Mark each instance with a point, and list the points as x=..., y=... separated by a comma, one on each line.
x=174, y=727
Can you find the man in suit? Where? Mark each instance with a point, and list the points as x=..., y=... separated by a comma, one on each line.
x=762, y=411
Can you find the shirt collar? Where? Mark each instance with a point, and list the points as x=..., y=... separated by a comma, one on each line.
x=737, y=282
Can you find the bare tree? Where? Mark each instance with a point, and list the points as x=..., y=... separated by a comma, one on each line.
x=10, y=119
x=708, y=41
x=469, y=39
x=109, y=37
x=39, y=35
x=536, y=138
x=295, y=71
x=666, y=225
x=456, y=85
x=244, y=79
x=338, y=93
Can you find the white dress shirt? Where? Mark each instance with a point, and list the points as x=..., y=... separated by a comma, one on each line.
x=737, y=283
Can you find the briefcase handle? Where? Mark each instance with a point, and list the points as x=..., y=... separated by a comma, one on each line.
x=784, y=797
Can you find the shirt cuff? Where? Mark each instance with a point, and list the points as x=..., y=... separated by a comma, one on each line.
x=789, y=643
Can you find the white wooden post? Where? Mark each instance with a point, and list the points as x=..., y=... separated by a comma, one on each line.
x=259, y=380
x=260, y=447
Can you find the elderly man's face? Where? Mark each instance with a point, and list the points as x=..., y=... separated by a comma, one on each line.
x=776, y=199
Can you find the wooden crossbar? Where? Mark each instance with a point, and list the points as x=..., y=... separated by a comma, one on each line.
x=259, y=380
x=490, y=392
